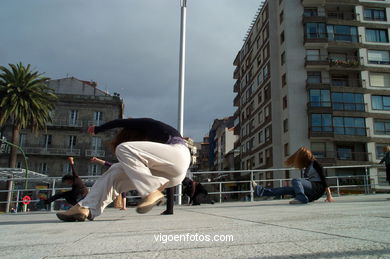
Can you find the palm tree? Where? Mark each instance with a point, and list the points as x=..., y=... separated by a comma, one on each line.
x=25, y=101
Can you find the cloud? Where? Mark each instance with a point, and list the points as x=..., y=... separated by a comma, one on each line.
x=132, y=47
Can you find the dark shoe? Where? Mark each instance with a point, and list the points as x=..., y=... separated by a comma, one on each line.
x=295, y=201
x=166, y=212
x=76, y=213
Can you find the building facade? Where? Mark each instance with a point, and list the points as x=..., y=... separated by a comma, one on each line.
x=315, y=73
x=80, y=104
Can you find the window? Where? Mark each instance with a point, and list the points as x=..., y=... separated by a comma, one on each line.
x=314, y=77
x=71, y=141
x=339, y=80
x=261, y=137
x=285, y=125
x=96, y=143
x=342, y=33
x=286, y=153
x=266, y=112
x=382, y=127
x=261, y=117
x=380, y=80
x=379, y=148
x=284, y=80
x=282, y=37
x=310, y=11
x=319, y=149
x=380, y=57
x=319, y=98
x=376, y=35
x=47, y=140
x=22, y=139
x=344, y=153
x=321, y=122
x=284, y=102
x=94, y=169
x=267, y=134
x=73, y=116
x=348, y=102
x=97, y=118
x=374, y=14
x=380, y=102
x=315, y=30
x=260, y=97
x=313, y=54
x=67, y=169
x=281, y=17
x=283, y=58
x=42, y=168
x=349, y=126
x=261, y=158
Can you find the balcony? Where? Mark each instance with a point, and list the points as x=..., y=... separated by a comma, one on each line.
x=316, y=61
x=331, y=16
x=95, y=123
x=349, y=63
x=330, y=157
x=65, y=123
x=236, y=87
x=95, y=152
x=332, y=131
x=323, y=37
x=322, y=106
x=60, y=151
x=236, y=74
x=236, y=101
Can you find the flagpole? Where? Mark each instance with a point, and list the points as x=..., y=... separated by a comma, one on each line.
x=182, y=59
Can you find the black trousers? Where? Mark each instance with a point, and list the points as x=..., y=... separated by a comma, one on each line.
x=170, y=194
x=388, y=173
x=69, y=196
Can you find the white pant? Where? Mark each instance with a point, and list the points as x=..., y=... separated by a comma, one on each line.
x=143, y=166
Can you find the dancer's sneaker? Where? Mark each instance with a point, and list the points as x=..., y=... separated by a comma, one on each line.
x=166, y=212
x=295, y=201
x=76, y=213
x=149, y=202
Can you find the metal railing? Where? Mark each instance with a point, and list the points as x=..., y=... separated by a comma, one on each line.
x=95, y=152
x=361, y=182
x=66, y=123
x=351, y=131
x=339, y=106
x=52, y=151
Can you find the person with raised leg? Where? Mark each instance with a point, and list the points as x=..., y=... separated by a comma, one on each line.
x=152, y=156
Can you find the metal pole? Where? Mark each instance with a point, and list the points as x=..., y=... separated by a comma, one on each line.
x=250, y=184
x=53, y=190
x=9, y=194
x=17, y=201
x=180, y=121
x=220, y=192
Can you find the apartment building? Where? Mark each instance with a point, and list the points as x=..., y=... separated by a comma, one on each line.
x=80, y=104
x=315, y=73
x=221, y=142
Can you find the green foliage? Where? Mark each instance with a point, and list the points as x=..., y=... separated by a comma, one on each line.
x=25, y=99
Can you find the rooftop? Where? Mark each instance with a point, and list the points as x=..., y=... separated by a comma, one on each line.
x=351, y=227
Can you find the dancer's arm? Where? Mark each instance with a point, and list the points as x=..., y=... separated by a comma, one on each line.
x=100, y=162
x=384, y=158
x=71, y=161
x=120, y=123
x=329, y=197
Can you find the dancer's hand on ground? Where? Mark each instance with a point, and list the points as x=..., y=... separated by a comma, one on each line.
x=91, y=130
x=329, y=199
x=71, y=160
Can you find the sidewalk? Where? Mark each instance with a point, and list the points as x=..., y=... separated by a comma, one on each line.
x=352, y=227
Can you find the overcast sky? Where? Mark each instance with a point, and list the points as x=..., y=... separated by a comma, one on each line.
x=132, y=47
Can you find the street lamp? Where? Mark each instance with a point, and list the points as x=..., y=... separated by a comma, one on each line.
x=182, y=59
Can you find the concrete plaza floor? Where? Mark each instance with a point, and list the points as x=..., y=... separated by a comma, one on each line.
x=351, y=227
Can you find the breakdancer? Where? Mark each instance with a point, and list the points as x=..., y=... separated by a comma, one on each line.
x=152, y=156
x=307, y=189
x=78, y=192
